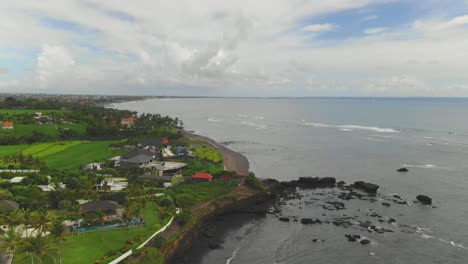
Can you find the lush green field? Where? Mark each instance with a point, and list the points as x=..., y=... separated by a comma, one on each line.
x=86, y=152
x=210, y=154
x=92, y=246
x=12, y=149
x=21, y=130
x=65, y=154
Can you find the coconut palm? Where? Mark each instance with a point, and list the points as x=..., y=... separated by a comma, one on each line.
x=38, y=247
x=57, y=231
x=41, y=221
x=10, y=241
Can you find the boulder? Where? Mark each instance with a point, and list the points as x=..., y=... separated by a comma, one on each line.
x=310, y=182
x=309, y=221
x=424, y=199
x=365, y=241
x=284, y=219
x=367, y=187
x=403, y=170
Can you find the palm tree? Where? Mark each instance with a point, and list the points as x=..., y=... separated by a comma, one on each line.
x=57, y=231
x=38, y=247
x=15, y=218
x=41, y=221
x=10, y=241
x=100, y=217
x=27, y=220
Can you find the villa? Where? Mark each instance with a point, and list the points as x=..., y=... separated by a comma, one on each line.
x=128, y=121
x=137, y=158
x=109, y=208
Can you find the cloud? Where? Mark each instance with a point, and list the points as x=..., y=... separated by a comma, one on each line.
x=54, y=63
x=371, y=31
x=319, y=28
x=234, y=47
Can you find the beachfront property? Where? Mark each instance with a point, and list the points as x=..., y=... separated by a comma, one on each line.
x=93, y=166
x=111, y=209
x=202, y=176
x=137, y=158
x=51, y=187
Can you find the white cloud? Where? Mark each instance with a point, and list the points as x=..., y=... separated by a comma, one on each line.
x=53, y=64
x=229, y=47
x=319, y=28
x=371, y=31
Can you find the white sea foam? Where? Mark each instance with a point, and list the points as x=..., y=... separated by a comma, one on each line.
x=423, y=233
x=212, y=119
x=425, y=166
x=242, y=115
x=251, y=124
x=353, y=127
x=259, y=117
x=346, y=129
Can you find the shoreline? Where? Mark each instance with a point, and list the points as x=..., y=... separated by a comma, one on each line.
x=233, y=160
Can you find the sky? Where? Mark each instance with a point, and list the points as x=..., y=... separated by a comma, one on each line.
x=235, y=48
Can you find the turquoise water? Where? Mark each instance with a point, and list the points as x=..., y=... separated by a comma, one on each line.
x=97, y=227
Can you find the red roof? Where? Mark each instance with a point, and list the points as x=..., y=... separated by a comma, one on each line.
x=128, y=120
x=7, y=124
x=165, y=141
x=202, y=175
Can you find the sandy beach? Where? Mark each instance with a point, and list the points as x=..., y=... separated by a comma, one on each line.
x=233, y=161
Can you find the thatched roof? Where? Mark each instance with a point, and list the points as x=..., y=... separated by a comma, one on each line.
x=101, y=205
x=8, y=205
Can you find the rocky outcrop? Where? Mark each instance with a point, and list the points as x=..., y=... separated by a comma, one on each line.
x=367, y=187
x=423, y=199
x=310, y=182
x=403, y=170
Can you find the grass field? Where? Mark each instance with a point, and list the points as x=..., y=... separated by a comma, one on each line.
x=92, y=246
x=65, y=154
x=26, y=130
x=204, y=191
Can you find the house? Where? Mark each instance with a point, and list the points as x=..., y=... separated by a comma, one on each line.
x=109, y=208
x=7, y=125
x=202, y=176
x=150, y=143
x=8, y=206
x=127, y=121
x=137, y=158
x=17, y=179
x=113, y=184
x=93, y=166
x=51, y=187
x=168, y=168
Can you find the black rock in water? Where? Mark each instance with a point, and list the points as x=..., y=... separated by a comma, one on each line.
x=365, y=242
x=367, y=187
x=309, y=182
x=403, y=170
x=284, y=219
x=424, y=199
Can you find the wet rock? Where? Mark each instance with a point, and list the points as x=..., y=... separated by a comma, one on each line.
x=314, y=240
x=214, y=244
x=386, y=204
x=367, y=187
x=310, y=221
x=423, y=199
x=284, y=219
x=350, y=238
x=310, y=182
x=391, y=220
x=403, y=170
x=364, y=242
x=357, y=236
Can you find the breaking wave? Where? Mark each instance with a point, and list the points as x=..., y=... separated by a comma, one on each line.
x=353, y=127
x=423, y=232
x=212, y=119
x=425, y=166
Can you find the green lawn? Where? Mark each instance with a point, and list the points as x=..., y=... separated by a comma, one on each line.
x=92, y=246
x=21, y=130
x=78, y=128
x=204, y=191
x=65, y=154
x=12, y=149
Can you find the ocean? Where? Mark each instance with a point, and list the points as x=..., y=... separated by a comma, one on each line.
x=350, y=139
